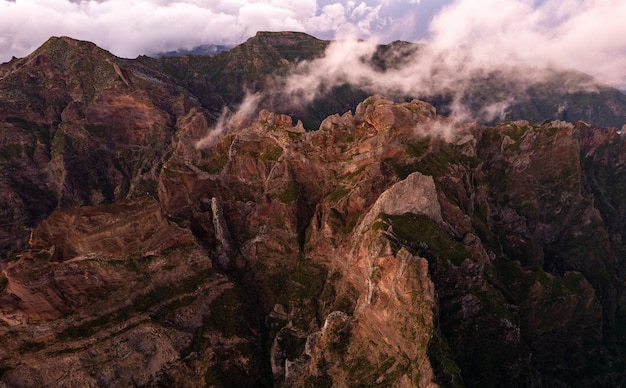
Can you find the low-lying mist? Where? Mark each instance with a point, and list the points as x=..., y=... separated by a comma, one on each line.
x=463, y=87
x=482, y=62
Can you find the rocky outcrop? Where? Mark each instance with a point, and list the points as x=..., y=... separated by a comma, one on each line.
x=79, y=126
x=415, y=194
x=258, y=64
x=390, y=247
x=132, y=299
x=139, y=229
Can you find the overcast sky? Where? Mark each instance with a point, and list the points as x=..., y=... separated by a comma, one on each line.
x=589, y=35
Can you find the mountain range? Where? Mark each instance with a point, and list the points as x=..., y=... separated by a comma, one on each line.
x=358, y=240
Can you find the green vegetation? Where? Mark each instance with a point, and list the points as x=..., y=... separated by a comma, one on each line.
x=214, y=159
x=426, y=236
x=42, y=255
x=97, y=130
x=354, y=174
x=272, y=154
x=215, y=163
x=379, y=225
x=402, y=170
x=323, y=381
x=515, y=282
x=292, y=345
x=294, y=136
x=432, y=157
x=418, y=147
x=301, y=290
x=289, y=193
x=61, y=143
x=338, y=194
x=437, y=163
x=363, y=372
x=515, y=132
x=338, y=338
x=12, y=151
x=447, y=372
x=40, y=131
x=217, y=378
x=141, y=304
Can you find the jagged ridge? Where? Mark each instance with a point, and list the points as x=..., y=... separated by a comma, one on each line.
x=372, y=251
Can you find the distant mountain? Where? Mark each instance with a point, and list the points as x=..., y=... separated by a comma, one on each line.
x=205, y=49
x=251, y=65
x=149, y=239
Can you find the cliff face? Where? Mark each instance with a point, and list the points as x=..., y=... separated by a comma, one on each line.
x=253, y=66
x=77, y=127
x=390, y=247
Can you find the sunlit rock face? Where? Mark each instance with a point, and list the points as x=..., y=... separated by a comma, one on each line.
x=391, y=246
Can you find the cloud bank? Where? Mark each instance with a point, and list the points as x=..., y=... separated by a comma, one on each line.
x=587, y=35
x=514, y=43
x=128, y=28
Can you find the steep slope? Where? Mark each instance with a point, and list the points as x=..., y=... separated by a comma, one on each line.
x=78, y=127
x=251, y=66
x=391, y=246
x=372, y=251
x=328, y=223
x=225, y=78
x=116, y=294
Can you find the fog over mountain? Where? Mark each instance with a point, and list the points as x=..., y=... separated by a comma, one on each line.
x=406, y=193
x=587, y=35
x=137, y=250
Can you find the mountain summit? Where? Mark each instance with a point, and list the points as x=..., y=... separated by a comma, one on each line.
x=150, y=237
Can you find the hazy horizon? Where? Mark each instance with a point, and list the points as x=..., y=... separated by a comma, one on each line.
x=585, y=35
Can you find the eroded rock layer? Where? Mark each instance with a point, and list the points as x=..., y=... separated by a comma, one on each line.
x=390, y=247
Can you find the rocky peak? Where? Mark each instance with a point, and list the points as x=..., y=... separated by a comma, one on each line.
x=390, y=247
x=123, y=228
x=285, y=39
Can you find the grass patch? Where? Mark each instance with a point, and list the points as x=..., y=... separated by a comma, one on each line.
x=356, y=173
x=422, y=233
x=301, y=292
x=41, y=131
x=289, y=193
x=12, y=151
x=438, y=162
x=402, y=170
x=62, y=143
x=214, y=159
x=337, y=194
x=417, y=148
x=292, y=345
x=42, y=255
x=97, y=130
x=294, y=136
x=272, y=154
x=323, y=381
x=140, y=304
x=516, y=132
x=215, y=163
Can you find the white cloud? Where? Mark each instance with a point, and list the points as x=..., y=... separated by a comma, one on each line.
x=133, y=27
x=589, y=35
x=514, y=38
